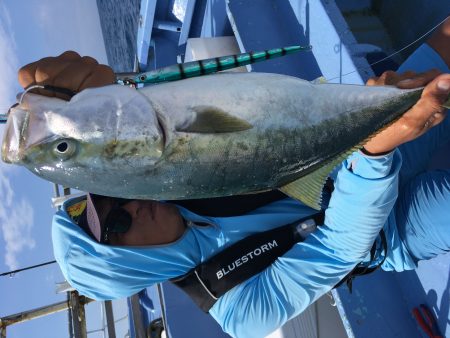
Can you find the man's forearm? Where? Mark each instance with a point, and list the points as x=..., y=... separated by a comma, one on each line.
x=360, y=205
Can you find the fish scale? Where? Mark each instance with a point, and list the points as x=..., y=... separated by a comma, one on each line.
x=220, y=135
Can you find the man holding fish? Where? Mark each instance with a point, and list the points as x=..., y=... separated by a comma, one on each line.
x=111, y=247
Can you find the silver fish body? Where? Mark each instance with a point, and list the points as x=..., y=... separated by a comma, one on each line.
x=211, y=136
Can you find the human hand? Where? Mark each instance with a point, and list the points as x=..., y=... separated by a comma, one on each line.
x=425, y=114
x=68, y=70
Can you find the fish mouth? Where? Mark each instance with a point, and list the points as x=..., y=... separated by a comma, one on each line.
x=13, y=139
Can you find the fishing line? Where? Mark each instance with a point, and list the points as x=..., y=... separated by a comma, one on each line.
x=64, y=91
x=27, y=90
x=12, y=273
x=4, y=117
x=395, y=53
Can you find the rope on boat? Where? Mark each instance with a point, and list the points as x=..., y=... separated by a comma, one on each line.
x=394, y=53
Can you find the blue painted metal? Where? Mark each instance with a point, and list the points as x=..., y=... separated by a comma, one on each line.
x=343, y=315
x=209, y=19
x=166, y=30
x=421, y=16
x=131, y=319
x=3, y=118
x=182, y=313
x=167, y=25
x=144, y=35
x=216, y=22
x=274, y=25
x=429, y=284
x=184, y=34
x=150, y=310
x=377, y=307
x=381, y=303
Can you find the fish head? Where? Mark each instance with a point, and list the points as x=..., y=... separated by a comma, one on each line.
x=89, y=139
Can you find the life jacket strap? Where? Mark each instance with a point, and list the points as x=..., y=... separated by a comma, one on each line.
x=365, y=268
x=242, y=260
x=207, y=282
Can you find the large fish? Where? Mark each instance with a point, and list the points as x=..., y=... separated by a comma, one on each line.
x=203, y=137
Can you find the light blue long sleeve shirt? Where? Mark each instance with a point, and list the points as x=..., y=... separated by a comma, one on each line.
x=365, y=192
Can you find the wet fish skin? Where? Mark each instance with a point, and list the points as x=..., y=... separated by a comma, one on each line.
x=212, y=136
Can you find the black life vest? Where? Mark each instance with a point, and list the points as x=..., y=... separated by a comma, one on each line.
x=207, y=282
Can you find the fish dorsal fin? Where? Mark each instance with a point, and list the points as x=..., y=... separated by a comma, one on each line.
x=210, y=119
x=308, y=189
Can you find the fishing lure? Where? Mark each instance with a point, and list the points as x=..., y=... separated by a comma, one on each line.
x=192, y=69
x=207, y=66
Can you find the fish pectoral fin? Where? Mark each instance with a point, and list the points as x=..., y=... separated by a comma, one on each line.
x=308, y=189
x=210, y=119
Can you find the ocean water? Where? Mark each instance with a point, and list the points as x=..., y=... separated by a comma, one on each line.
x=119, y=20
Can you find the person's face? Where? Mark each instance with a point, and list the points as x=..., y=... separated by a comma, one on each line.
x=153, y=223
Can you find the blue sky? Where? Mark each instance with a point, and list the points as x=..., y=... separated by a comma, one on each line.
x=29, y=30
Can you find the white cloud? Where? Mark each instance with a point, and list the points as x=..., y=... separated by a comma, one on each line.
x=16, y=221
x=16, y=218
x=68, y=25
x=8, y=61
x=16, y=214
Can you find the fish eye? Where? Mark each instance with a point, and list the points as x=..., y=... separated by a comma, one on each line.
x=64, y=148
